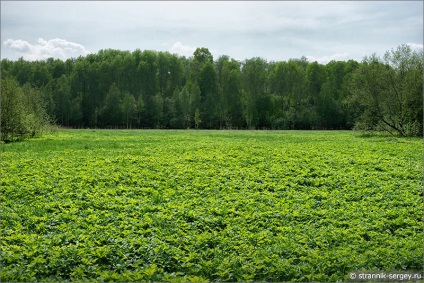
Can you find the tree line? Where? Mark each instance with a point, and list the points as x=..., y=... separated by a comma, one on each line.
x=149, y=89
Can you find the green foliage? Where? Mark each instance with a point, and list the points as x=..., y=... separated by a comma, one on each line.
x=230, y=106
x=254, y=73
x=129, y=108
x=23, y=113
x=203, y=55
x=180, y=206
x=112, y=112
x=197, y=120
x=251, y=94
x=390, y=91
x=208, y=86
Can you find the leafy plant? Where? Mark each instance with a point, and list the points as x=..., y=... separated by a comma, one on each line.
x=180, y=206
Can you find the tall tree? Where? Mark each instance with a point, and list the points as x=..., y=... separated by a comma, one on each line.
x=163, y=73
x=75, y=119
x=63, y=100
x=111, y=112
x=139, y=110
x=208, y=85
x=254, y=73
x=157, y=107
x=390, y=91
x=147, y=69
x=129, y=108
x=200, y=57
x=315, y=77
x=203, y=55
x=230, y=103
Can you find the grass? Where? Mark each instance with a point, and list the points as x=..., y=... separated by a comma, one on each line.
x=104, y=205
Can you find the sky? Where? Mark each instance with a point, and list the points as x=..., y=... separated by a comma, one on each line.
x=273, y=30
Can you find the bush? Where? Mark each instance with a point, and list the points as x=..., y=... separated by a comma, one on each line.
x=23, y=114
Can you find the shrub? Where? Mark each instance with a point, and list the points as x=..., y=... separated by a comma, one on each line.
x=23, y=114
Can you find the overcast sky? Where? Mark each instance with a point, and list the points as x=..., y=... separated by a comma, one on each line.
x=275, y=31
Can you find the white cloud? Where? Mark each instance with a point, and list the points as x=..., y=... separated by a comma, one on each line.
x=415, y=46
x=18, y=45
x=43, y=49
x=183, y=50
x=326, y=59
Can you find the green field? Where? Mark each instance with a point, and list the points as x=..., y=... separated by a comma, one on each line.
x=103, y=205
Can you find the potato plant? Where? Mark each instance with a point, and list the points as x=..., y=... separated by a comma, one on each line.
x=103, y=205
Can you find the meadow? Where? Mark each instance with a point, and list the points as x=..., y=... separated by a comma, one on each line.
x=151, y=205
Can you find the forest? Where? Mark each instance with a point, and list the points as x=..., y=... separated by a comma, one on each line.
x=151, y=89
